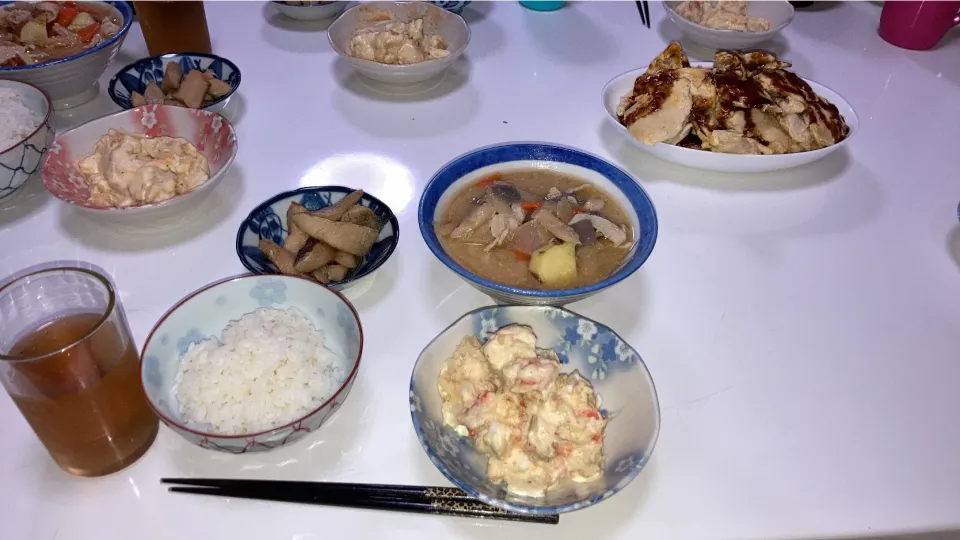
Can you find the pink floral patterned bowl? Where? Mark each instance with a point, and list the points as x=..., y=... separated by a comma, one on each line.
x=212, y=134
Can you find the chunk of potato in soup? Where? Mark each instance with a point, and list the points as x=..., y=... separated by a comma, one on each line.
x=497, y=225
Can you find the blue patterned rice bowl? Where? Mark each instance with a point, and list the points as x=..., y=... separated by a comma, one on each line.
x=208, y=311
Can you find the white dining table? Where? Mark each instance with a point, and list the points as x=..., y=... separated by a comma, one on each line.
x=801, y=326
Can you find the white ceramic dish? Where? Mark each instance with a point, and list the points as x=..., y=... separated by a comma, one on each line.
x=315, y=12
x=21, y=161
x=72, y=81
x=448, y=24
x=212, y=134
x=208, y=311
x=778, y=12
x=622, y=84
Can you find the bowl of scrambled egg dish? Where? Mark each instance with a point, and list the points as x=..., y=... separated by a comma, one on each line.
x=143, y=162
x=399, y=43
x=534, y=409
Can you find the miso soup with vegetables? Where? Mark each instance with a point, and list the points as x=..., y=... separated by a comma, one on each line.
x=535, y=229
x=36, y=32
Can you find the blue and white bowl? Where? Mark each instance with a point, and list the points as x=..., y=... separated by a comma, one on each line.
x=616, y=371
x=472, y=166
x=269, y=220
x=72, y=81
x=311, y=12
x=136, y=76
x=207, y=312
x=453, y=7
x=21, y=161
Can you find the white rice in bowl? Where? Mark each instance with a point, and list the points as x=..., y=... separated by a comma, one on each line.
x=270, y=368
x=17, y=120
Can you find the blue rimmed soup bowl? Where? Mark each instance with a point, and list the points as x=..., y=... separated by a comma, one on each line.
x=477, y=164
x=616, y=371
x=136, y=76
x=269, y=220
x=73, y=80
x=206, y=312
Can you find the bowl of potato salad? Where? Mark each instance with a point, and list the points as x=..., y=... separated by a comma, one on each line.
x=534, y=409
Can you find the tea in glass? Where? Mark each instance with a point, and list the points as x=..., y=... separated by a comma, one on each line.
x=69, y=363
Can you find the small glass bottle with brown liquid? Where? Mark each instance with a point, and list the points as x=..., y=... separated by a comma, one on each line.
x=173, y=27
x=70, y=365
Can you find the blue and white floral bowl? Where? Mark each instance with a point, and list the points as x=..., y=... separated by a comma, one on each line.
x=616, y=371
x=207, y=312
x=453, y=7
x=474, y=165
x=269, y=220
x=136, y=76
x=311, y=12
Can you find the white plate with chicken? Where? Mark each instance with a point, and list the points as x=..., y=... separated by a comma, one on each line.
x=744, y=112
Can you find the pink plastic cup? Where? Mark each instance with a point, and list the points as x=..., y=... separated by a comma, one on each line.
x=917, y=25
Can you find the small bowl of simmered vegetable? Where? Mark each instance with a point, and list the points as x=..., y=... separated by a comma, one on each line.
x=334, y=235
x=537, y=223
x=192, y=80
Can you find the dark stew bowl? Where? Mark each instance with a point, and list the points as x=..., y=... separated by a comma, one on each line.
x=136, y=76
x=613, y=181
x=269, y=220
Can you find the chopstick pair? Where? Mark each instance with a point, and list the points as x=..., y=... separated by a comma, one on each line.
x=644, y=8
x=442, y=501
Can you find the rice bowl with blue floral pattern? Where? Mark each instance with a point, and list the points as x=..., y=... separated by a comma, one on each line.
x=206, y=313
x=614, y=369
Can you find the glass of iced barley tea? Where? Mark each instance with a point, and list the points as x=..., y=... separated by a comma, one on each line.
x=68, y=361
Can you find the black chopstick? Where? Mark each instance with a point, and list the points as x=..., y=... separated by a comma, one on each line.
x=417, y=499
x=435, y=492
x=644, y=8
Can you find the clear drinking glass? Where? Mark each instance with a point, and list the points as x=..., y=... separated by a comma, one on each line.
x=68, y=361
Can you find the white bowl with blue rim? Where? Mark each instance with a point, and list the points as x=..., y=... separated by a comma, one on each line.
x=316, y=11
x=613, y=367
x=72, y=81
x=136, y=76
x=18, y=163
x=208, y=311
x=269, y=220
x=609, y=178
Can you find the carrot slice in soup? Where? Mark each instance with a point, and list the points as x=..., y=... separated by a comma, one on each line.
x=489, y=179
x=530, y=206
x=66, y=16
x=87, y=32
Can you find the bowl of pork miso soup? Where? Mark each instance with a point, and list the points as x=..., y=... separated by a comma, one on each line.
x=537, y=223
x=61, y=47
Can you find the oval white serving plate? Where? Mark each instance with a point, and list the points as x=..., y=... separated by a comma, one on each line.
x=621, y=84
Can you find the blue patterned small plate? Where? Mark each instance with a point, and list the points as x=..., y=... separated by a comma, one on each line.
x=616, y=371
x=136, y=76
x=269, y=220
